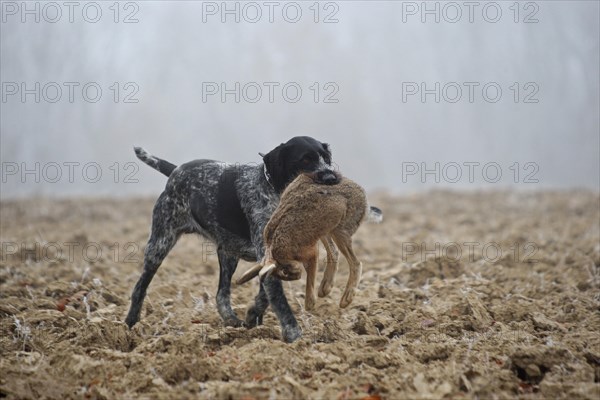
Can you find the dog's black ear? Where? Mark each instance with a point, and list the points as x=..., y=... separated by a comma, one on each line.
x=327, y=148
x=271, y=158
x=276, y=168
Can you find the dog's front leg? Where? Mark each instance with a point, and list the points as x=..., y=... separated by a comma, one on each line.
x=274, y=291
x=271, y=292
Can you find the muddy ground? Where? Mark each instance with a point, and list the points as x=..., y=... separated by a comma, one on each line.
x=459, y=320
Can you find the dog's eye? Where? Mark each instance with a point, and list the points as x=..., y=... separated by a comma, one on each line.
x=306, y=159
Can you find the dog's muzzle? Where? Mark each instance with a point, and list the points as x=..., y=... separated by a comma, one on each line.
x=327, y=177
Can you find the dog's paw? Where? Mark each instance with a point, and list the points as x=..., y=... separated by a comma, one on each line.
x=253, y=318
x=291, y=333
x=131, y=320
x=234, y=322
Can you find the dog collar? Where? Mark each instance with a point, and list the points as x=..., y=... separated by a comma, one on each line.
x=267, y=177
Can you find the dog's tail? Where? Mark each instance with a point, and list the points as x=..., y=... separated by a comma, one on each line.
x=374, y=214
x=162, y=166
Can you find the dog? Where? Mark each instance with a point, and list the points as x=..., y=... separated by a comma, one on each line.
x=229, y=205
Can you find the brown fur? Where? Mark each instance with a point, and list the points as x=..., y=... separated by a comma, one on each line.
x=309, y=212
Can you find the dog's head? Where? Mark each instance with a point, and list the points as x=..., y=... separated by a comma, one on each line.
x=301, y=154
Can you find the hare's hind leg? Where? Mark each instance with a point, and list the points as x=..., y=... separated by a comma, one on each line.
x=310, y=264
x=331, y=266
x=344, y=243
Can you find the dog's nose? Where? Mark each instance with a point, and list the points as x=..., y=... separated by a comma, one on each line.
x=328, y=177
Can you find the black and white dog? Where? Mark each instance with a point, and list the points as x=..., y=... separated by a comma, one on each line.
x=230, y=205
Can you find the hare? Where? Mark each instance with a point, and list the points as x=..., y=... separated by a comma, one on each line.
x=309, y=212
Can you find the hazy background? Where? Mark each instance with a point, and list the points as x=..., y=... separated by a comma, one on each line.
x=368, y=54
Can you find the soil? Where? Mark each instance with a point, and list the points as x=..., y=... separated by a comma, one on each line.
x=463, y=295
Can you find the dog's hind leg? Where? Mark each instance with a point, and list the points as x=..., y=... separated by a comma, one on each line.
x=228, y=264
x=331, y=266
x=162, y=239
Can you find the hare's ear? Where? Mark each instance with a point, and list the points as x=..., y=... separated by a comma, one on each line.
x=266, y=271
x=248, y=275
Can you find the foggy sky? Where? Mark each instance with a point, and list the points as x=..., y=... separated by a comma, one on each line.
x=373, y=56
